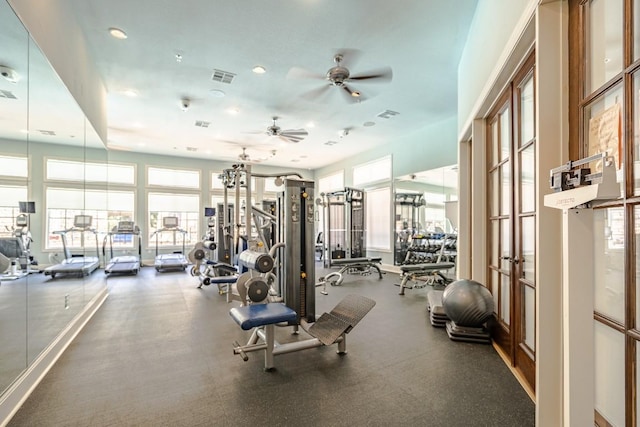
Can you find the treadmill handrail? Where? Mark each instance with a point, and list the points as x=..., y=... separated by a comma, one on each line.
x=174, y=229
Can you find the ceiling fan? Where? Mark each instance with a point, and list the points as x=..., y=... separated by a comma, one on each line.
x=245, y=157
x=340, y=76
x=287, y=135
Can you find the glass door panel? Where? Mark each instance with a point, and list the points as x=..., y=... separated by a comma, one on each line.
x=505, y=134
x=505, y=190
x=609, y=373
x=529, y=317
x=636, y=124
x=527, y=179
x=505, y=245
x=505, y=299
x=604, y=44
x=527, y=113
x=494, y=179
x=528, y=247
x=603, y=138
x=608, y=268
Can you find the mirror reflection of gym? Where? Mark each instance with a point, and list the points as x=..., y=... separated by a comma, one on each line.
x=425, y=205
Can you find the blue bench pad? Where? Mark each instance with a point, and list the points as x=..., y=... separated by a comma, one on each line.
x=254, y=315
x=222, y=279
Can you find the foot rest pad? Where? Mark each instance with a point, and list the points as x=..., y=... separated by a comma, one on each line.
x=328, y=328
x=353, y=308
x=251, y=316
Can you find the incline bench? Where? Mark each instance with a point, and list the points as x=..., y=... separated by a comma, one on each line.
x=431, y=273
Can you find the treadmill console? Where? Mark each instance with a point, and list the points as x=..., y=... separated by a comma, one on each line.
x=82, y=221
x=170, y=222
x=125, y=227
x=21, y=220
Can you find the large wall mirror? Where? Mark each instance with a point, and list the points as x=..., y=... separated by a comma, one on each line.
x=40, y=124
x=425, y=216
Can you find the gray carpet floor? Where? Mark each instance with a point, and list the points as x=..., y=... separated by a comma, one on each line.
x=159, y=353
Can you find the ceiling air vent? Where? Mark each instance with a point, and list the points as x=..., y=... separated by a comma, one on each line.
x=202, y=124
x=47, y=132
x=194, y=149
x=387, y=114
x=7, y=94
x=222, y=76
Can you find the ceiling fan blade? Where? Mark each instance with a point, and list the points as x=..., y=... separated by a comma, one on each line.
x=301, y=73
x=380, y=75
x=348, y=94
x=293, y=135
x=316, y=94
x=294, y=132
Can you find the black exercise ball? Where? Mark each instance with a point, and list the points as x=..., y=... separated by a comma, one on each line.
x=467, y=303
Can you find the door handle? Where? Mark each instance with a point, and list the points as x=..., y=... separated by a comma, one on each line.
x=515, y=260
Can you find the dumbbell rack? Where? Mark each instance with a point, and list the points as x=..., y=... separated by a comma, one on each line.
x=431, y=248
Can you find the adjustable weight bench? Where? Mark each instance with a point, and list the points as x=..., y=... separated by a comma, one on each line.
x=329, y=328
x=352, y=265
x=432, y=273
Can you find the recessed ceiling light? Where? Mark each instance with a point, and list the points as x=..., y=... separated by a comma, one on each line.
x=259, y=69
x=369, y=124
x=130, y=93
x=24, y=131
x=217, y=93
x=117, y=33
x=311, y=125
x=233, y=111
x=178, y=58
x=142, y=144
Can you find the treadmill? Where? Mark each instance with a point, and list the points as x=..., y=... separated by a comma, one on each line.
x=123, y=264
x=174, y=260
x=76, y=264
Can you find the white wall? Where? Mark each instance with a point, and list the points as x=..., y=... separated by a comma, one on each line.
x=67, y=54
x=495, y=30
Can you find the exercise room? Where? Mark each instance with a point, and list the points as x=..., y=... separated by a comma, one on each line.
x=289, y=212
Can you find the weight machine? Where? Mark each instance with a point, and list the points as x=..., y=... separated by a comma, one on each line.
x=409, y=207
x=291, y=264
x=344, y=222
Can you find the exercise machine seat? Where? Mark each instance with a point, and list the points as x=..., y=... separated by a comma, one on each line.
x=254, y=315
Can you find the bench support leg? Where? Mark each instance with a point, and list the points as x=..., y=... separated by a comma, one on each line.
x=403, y=284
x=268, y=352
x=342, y=344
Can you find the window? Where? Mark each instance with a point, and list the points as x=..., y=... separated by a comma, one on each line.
x=184, y=206
x=161, y=177
x=105, y=208
x=9, y=210
x=14, y=167
x=378, y=170
x=68, y=170
x=378, y=218
x=331, y=182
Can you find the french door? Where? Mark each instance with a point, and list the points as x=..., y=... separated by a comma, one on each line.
x=511, y=165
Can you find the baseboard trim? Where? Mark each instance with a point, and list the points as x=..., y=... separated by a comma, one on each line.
x=24, y=385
